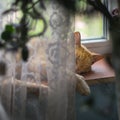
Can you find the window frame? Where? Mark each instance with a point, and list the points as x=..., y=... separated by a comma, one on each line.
x=103, y=45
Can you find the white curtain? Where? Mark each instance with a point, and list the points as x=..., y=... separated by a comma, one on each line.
x=44, y=87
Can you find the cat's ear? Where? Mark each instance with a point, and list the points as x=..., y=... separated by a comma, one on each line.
x=96, y=57
x=77, y=38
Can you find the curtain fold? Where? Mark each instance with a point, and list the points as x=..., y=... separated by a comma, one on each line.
x=61, y=64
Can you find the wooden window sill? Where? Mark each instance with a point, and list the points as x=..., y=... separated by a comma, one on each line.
x=101, y=73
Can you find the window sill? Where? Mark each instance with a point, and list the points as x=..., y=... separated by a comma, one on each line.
x=99, y=46
x=101, y=73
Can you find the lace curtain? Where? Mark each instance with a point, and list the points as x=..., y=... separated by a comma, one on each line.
x=44, y=87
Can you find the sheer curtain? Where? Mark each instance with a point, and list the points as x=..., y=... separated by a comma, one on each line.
x=44, y=87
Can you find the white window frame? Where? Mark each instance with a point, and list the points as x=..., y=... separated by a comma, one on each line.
x=102, y=46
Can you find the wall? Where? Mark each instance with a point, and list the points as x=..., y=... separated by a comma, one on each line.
x=100, y=105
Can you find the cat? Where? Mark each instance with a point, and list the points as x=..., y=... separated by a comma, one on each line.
x=84, y=58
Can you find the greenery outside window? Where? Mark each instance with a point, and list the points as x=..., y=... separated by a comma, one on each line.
x=93, y=27
x=91, y=24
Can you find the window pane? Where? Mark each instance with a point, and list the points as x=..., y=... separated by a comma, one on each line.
x=89, y=22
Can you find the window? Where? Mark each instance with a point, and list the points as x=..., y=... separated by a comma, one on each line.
x=93, y=27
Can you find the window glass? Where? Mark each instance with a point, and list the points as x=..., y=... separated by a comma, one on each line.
x=89, y=22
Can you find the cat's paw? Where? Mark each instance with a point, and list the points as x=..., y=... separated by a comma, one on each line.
x=81, y=85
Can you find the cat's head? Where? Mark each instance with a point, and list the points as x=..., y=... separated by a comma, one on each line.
x=84, y=57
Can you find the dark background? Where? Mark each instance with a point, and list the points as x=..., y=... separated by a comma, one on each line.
x=99, y=105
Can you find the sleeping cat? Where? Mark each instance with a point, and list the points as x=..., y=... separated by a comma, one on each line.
x=84, y=58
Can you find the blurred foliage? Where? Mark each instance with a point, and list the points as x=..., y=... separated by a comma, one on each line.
x=16, y=35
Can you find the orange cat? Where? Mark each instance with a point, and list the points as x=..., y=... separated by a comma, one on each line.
x=84, y=58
